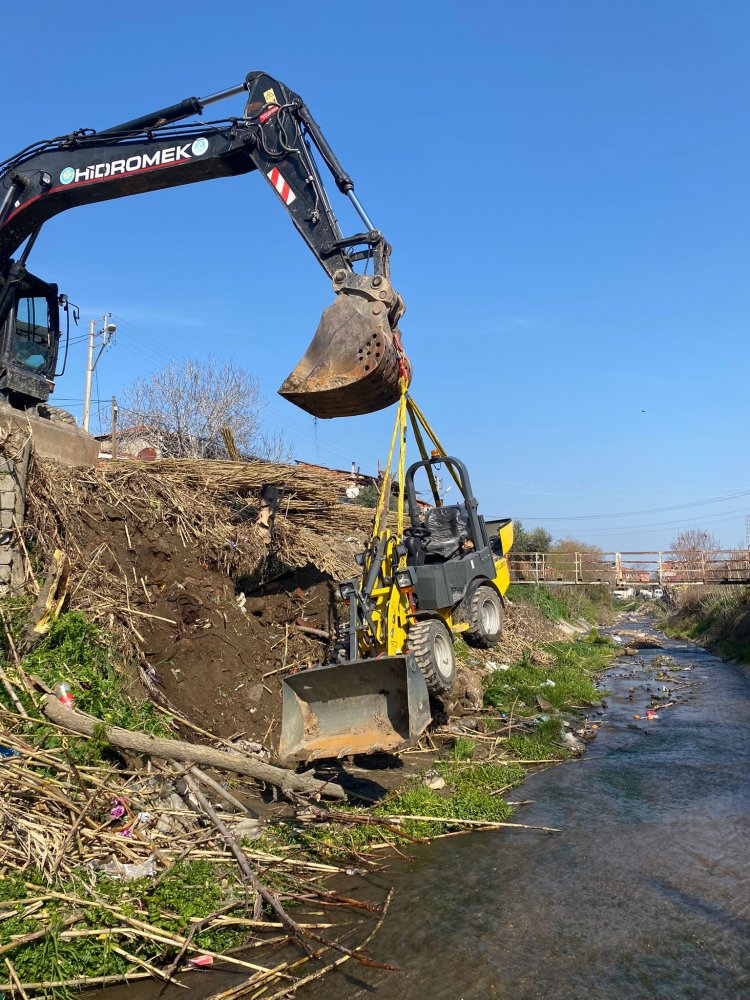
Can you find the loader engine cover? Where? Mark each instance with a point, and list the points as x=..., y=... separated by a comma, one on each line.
x=352, y=365
x=362, y=706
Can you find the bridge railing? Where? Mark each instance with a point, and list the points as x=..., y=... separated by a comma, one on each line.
x=633, y=569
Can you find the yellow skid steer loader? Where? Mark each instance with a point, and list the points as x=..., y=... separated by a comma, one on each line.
x=419, y=587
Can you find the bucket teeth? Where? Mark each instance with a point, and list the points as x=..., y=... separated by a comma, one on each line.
x=352, y=365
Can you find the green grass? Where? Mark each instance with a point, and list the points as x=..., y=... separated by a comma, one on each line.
x=468, y=795
x=542, y=744
x=591, y=602
x=571, y=673
x=718, y=618
x=75, y=650
x=193, y=889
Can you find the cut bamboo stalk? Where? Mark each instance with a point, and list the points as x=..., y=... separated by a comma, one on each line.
x=475, y=822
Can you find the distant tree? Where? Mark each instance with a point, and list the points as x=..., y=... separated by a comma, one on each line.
x=688, y=549
x=369, y=495
x=536, y=540
x=183, y=407
x=574, y=545
x=690, y=542
x=571, y=559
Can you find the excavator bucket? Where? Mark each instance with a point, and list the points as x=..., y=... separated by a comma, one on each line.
x=357, y=707
x=352, y=365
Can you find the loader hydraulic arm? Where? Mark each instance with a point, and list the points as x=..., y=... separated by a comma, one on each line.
x=355, y=362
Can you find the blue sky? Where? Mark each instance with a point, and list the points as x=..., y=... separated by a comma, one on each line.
x=565, y=186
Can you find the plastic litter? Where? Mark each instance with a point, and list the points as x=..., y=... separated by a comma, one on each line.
x=201, y=961
x=128, y=872
x=64, y=694
x=572, y=743
x=8, y=752
x=491, y=666
x=548, y=683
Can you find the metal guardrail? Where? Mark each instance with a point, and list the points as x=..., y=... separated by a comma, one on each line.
x=631, y=569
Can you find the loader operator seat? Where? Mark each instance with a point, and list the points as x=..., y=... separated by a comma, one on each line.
x=446, y=530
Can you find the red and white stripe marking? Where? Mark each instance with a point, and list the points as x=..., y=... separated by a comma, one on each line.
x=285, y=192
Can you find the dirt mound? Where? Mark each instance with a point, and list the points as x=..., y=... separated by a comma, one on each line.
x=209, y=606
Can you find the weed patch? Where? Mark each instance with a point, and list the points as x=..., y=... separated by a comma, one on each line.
x=566, y=684
x=718, y=619
x=592, y=603
x=190, y=890
x=75, y=651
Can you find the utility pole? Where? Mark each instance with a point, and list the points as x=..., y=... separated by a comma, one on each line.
x=113, y=448
x=89, y=371
x=106, y=333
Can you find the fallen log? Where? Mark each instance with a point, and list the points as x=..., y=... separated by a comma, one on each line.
x=165, y=749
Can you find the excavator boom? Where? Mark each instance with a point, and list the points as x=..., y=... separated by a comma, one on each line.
x=355, y=361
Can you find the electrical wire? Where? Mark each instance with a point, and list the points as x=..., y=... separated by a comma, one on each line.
x=658, y=525
x=648, y=510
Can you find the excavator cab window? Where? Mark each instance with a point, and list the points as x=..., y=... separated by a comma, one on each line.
x=33, y=338
x=31, y=333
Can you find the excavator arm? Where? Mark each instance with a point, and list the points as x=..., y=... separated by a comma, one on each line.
x=355, y=362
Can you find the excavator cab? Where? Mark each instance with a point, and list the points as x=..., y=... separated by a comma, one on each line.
x=29, y=341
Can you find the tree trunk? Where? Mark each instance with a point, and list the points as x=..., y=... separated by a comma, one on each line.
x=166, y=749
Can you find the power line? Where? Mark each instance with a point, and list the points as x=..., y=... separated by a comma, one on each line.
x=651, y=527
x=648, y=510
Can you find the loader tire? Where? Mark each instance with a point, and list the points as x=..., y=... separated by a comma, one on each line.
x=485, y=617
x=432, y=646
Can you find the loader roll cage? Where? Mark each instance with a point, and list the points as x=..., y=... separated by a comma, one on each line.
x=442, y=523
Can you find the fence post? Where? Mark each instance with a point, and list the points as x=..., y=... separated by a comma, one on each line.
x=661, y=569
x=577, y=564
x=618, y=569
x=536, y=567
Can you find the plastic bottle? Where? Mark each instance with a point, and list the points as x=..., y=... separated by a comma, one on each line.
x=64, y=695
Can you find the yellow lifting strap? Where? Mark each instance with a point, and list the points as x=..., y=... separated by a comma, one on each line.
x=417, y=417
x=406, y=405
x=384, y=497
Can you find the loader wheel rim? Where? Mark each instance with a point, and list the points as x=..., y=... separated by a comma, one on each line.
x=443, y=655
x=489, y=617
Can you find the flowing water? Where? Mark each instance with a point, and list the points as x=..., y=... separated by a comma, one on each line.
x=644, y=893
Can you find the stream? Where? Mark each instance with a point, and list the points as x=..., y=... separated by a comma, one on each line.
x=644, y=893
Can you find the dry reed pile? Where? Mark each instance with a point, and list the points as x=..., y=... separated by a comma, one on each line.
x=210, y=508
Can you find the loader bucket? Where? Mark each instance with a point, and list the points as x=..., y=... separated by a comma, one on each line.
x=352, y=364
x=357, y=707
